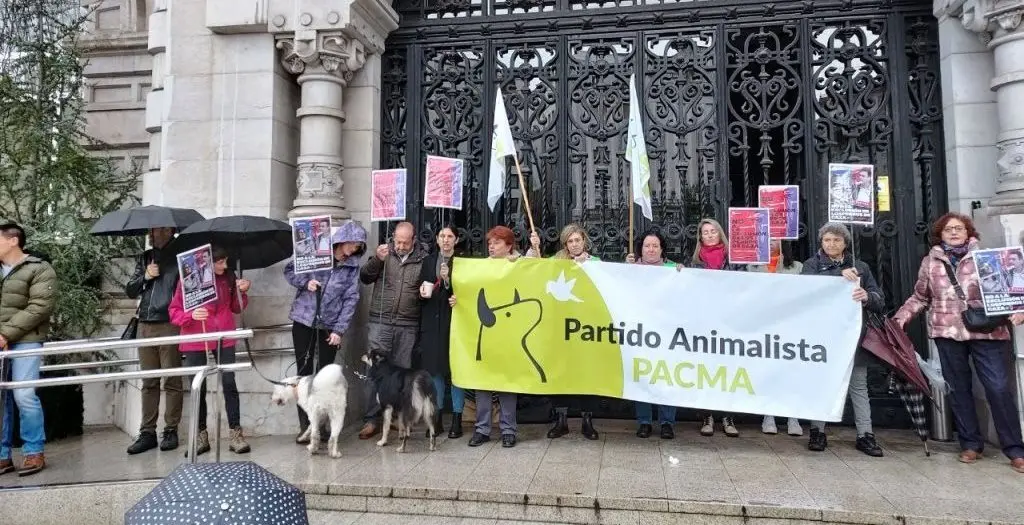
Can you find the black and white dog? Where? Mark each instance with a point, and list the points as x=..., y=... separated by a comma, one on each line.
x=406, y=396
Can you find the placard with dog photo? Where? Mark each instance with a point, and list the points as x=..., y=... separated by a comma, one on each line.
x=851, y=193
x=311, y=241
x=1000, y=273
x=195, y=268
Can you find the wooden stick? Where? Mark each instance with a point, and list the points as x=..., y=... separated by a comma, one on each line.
x=524, y=190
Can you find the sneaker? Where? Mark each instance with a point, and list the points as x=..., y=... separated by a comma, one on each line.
x=508, y=440
x=478, y=439
x=6, y=465
x=868, y=445
x=818, y=441
x=33, y=463
x=169, y=441
x=768, y=426
x=202, y=443
x=368, y=431
x=708, y=429
x=794, y=428
x=644, y=431
x=146, y=441
x=238, y=444
x=729, y=427
x=667, y=432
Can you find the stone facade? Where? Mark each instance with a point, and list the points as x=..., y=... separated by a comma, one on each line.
x=272, y=107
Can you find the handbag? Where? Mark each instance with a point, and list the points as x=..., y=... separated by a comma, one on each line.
x=975, y=319
x=132, y=330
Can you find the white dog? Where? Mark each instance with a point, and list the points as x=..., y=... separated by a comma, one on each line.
x=324, y=397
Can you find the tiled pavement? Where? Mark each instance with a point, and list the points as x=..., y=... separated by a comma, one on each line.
x=773, y=471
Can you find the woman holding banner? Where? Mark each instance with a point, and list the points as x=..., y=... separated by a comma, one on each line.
x=781, y=261
x=217, y=316
x=435, y=325
x=339, y=295
x=651, y=248
x=947, y=284
x=501, y=243
x=712, y=253
x=835, y=258
x=573, y=243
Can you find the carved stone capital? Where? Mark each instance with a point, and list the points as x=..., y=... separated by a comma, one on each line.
x=992, y=18
x=319, y=180
x=333, y=53
x=1011, y=161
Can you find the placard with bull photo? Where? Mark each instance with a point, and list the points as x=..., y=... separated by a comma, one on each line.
x=851, y=193
x=1000, y=273
x=311, y=241
x=199, y=285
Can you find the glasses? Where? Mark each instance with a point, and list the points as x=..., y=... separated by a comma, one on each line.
x=954, y=229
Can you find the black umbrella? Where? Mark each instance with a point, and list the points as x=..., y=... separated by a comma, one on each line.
x=251, y=242
x=138, y=221
x=221, y=493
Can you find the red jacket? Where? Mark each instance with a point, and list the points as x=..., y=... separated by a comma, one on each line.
x=222, y=314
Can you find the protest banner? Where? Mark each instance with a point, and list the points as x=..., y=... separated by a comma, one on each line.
x=387, y=195
x=749, y=236
x=547, y=327
x=443, y=185
x=851, y=194
x=784, y=203
x=195, y=269
x=311, y=242
x=1000, y=274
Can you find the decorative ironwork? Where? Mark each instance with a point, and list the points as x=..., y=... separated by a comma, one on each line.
x=733, y=96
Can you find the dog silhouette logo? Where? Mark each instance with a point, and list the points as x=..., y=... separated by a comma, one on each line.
x=508, y=322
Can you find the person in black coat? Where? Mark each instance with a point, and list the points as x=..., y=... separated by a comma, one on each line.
x=835, y=258
x=435, y=324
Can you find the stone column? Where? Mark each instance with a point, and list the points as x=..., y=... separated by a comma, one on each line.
x=325, y=62
x=155, y=100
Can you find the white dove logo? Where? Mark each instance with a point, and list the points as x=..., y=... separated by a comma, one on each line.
x=561, y=289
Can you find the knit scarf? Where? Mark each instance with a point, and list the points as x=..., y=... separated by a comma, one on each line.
x=955, y=253
x=773, y=263
x=713, y=256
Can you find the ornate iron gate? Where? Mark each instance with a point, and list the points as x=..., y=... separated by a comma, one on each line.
x=735, y=94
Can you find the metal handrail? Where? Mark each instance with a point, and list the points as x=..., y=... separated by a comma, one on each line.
x=119, y=344
x=85, y=365
x=117, y=376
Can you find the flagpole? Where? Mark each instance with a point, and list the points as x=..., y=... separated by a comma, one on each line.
x=524, y=190
x=629, y=241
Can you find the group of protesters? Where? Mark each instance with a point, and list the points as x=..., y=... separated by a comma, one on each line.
x=410, y=309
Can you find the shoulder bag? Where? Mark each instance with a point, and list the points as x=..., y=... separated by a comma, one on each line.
x=975, y=319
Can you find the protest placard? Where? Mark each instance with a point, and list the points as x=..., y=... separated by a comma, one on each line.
x=443, y=185
x=1000, y=273
x=784, y=203
x=749, y=235
x=851, y=193
x=311, y=242
x=387, y=195
x=198, y=283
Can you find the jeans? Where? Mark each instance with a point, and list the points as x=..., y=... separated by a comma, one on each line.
x=991, y=362
x=506, y=414
x=458, y=395
x=228, y=386
x=29, y=408
x=305, y=340
x=666, y=414
x=859, y=399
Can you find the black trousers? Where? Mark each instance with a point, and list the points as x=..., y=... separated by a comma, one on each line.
x=228, y=386
x=305, y=340
x=572, y=404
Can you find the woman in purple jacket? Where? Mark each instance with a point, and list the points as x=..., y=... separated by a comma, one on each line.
x=340, y=287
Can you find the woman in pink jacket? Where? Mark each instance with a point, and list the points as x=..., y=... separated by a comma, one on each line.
x=954, y=240
x=218, y=316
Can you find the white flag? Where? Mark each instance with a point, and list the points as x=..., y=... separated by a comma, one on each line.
x=636, y=154
x=502, y=145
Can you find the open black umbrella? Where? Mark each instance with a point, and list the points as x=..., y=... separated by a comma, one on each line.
x=138, y=221
x=221, y=493
x=252, y=242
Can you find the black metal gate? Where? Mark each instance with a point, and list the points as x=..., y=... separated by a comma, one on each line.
x=735, y=94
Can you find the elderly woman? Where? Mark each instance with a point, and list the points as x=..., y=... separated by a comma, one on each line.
x=435, y=325
x=835, y=259
x=339, y=287
x=651, y=248
x=573, y=245
x=712, y=253
x=949, y=263
x=500, y=245
x=780, y=261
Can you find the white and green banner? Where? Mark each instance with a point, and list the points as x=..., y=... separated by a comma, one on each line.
x=753, y=343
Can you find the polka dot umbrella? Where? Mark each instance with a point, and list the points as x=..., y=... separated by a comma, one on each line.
x=234, y=493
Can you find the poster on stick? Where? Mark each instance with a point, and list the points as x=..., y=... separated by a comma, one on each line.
x=784, y=205
x=195, y=268
x=749, y=236
x=1000, y=273
x=387, y=191
x=311, y=244
x=443, y=188
x=851, y=193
